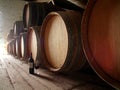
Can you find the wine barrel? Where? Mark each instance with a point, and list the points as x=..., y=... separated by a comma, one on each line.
x=10, y=35
x=13, y=47
x=24, y=48
x=18, y=28
x=18, y=46
x=8, y=48
x=71, y=4
x=61, y=41
x=34, y=12
x=29, y=0
x=101, y=39
x=34, y=44
x=38, y=0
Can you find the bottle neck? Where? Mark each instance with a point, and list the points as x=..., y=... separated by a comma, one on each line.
x=31, y=55
x=31, y=58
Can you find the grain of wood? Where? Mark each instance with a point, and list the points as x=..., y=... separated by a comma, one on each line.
x=56, y=41
x=18, y=81
x=33, y=43
x=46, y=80
x=49, y=79
x=25, y=79
x=5, y=82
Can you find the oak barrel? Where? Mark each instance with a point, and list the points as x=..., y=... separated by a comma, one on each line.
x=71, y=4
x=34, y=44
x=24, y=46
x=13, y=47
x=18, y=28
x=35, y=12
x=101, y=39
x=10, y=35
x=18, y=45
x=61, y=41
x=9, y=47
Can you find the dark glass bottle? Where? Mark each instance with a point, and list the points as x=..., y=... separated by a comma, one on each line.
x=31, y=65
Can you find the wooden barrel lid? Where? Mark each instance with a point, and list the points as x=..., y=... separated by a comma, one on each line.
x=22, y=46
x=100, y=35
x=13, y=47
x=16, y=43
x=32, y=43
x=56, y=41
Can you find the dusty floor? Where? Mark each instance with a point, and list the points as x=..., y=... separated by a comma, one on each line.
x=14, y=75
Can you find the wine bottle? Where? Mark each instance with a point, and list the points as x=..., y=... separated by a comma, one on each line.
x=31, y=65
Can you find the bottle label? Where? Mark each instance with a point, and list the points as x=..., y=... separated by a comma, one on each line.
x=31, y=65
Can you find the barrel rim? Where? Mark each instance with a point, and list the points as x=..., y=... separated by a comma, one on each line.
x=24, y=39
x=68, y=55
x=47, y=64
x=36, y=29
x=18, y=27
x=13, y=46
x=29, y=32
x=18, y=46
x=85, y=43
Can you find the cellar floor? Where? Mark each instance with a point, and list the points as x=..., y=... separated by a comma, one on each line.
x=14, y=75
